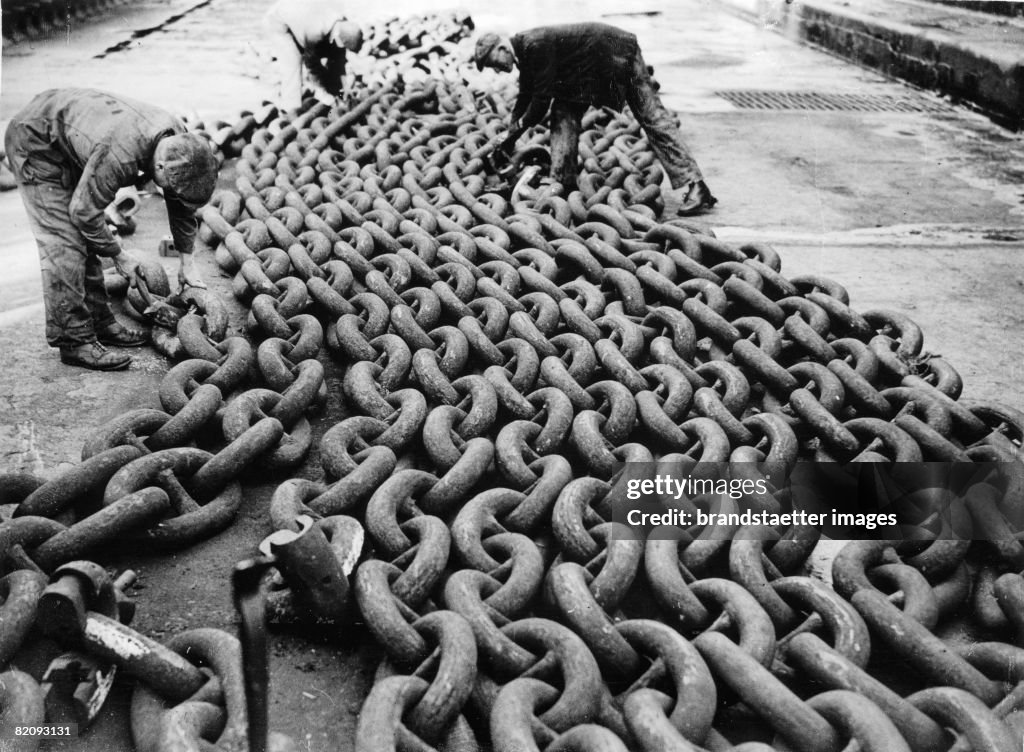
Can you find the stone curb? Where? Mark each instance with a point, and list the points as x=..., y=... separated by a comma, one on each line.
x=973, y=65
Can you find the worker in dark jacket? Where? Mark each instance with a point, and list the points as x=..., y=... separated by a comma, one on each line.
x=70, y=151
x=313, y=35
x=571, y=67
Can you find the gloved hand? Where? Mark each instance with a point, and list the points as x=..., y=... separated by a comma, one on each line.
x=502, y=154
x=188, y=274
x=126, y=265
x=508, y=145
x=324, y=97
x=501, y=159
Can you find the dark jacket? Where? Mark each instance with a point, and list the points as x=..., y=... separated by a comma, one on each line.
x=325, y=63
x=587, y=63
x=95, y=143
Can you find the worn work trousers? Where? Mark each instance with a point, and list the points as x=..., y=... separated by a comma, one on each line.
x=289, y=64
x=73, y=293
x=658, y=123
x=566, y=125
x=661, y=128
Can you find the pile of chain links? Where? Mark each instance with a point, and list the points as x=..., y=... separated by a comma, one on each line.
x=502, y=352
x=32, y=19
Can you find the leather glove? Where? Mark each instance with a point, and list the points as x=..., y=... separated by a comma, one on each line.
x=188, y=274
x=126, y=265
x=501, y=159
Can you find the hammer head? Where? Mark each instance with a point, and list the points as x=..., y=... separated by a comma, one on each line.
x=316, y=561
x=75, y=589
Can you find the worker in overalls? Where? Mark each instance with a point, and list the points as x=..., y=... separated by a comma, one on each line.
x=568, y=68
x=313, y=35
x=70, y=151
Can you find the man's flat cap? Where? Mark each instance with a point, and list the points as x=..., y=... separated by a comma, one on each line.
x=485, y=43
x=190, y=167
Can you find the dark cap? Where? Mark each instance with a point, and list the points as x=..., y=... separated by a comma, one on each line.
x=347, y=34
x=485, y=44
x=190, y=168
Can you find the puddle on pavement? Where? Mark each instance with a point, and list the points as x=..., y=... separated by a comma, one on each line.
x=140, y=33
x=627, y=14
x=705, y=61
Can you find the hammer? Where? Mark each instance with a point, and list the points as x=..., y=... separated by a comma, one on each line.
x=246, y=585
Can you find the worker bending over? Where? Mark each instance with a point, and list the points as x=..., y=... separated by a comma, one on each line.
x=70, y=151
x=315, y=35
x=571, y=67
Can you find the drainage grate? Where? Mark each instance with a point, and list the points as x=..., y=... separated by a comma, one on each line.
x=752, y=99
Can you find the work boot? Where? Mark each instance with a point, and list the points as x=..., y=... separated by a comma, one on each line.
x=119, y=335
x=697, y=199
x=94, y=356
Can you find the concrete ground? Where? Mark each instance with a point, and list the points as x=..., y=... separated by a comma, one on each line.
x=921, y=212
x=950, y=47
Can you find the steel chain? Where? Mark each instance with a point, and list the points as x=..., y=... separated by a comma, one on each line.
x=501, y=353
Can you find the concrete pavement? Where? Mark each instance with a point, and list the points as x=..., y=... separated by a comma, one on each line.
x=952, y=48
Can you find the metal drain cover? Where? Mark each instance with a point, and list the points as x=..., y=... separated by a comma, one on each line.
x=753, y=99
